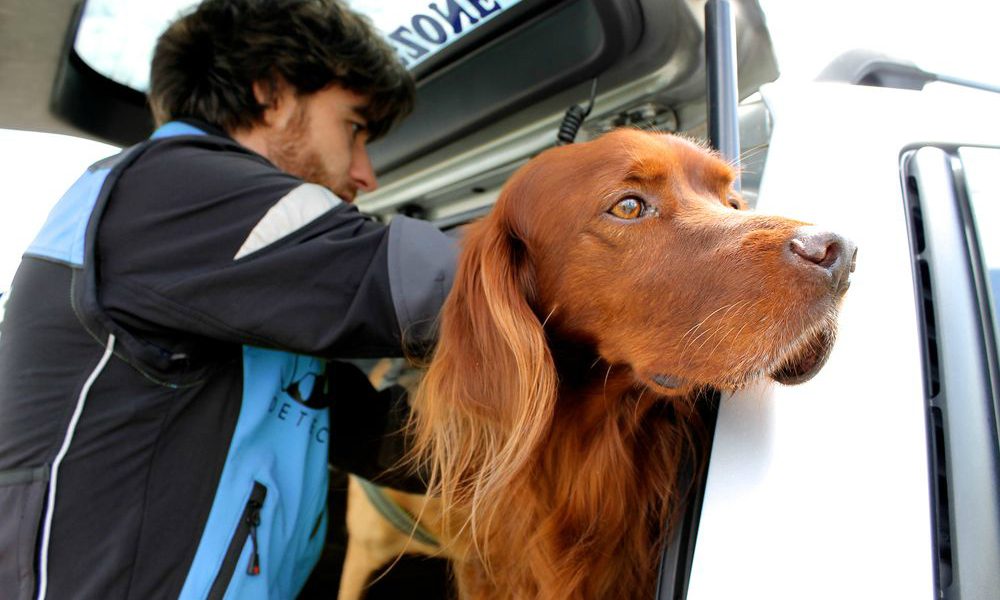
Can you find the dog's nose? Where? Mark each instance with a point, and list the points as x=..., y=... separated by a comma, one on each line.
x=826, y=250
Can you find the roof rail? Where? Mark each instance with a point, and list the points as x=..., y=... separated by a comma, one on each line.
x=867, y=67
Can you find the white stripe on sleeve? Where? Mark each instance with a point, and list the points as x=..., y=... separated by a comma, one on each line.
x=296, y=209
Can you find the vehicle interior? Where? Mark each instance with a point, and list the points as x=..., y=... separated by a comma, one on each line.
x=486, y=103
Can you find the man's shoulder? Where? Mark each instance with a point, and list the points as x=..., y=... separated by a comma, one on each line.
x=210, y=154
x=180, y=187
x=204, y=169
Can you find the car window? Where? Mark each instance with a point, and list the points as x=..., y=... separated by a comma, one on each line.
x=116, y=37
x=983, y=188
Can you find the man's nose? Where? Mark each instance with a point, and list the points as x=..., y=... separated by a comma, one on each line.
x=362, y=173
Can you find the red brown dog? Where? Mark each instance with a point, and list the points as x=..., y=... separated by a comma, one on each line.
x=613, y=281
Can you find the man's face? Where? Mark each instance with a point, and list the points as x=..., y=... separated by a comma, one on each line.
x=321, y=137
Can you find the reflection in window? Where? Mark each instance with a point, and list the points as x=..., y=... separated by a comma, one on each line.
x=420, y=29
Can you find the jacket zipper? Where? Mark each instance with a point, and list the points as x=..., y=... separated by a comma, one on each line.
x=247, y=528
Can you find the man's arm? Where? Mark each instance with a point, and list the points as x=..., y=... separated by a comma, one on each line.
x=368, y=430
x=198, y=243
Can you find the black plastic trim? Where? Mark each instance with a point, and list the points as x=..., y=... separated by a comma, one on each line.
x=722, y=89
x=678, y=553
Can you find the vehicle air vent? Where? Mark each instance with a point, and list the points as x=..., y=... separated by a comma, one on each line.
x=939, y=484
x=937, y=454
x=932, y=371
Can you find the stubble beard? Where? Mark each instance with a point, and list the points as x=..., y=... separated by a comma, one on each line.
x=288, y=151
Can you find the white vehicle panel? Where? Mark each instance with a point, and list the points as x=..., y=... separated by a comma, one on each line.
x=821, y=490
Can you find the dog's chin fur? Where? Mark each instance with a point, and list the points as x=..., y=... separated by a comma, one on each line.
x=807, y=359
x=796, y=363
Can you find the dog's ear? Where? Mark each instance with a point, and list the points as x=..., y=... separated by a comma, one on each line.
x=487, y=399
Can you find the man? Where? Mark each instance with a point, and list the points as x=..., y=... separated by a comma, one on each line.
x=164, y=428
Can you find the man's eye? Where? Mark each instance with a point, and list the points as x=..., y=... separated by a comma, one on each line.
x=629, y=207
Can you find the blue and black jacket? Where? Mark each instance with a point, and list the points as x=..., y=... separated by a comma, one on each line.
x=165, y=409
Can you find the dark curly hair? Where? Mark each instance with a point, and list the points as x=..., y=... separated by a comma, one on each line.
x=206, y=62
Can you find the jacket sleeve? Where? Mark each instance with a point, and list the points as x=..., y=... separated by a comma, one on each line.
x=368, y=434
x=233, y=250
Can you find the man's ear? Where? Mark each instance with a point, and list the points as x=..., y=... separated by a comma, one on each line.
x=277, y=98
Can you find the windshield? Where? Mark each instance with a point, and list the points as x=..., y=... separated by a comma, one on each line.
x=980, y=165
x=116, y=37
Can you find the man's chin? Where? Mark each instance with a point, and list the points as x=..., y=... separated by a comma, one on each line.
x=346, y=196
x=287, y=153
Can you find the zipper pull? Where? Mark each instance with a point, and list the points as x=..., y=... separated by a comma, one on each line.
x=253, y=520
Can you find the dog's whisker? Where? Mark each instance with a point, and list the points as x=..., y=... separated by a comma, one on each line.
x=726, y=310
x=606, y=376
x=752, y=152
x=710, y=315
x=545, y=321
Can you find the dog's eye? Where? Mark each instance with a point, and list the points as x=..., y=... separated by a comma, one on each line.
x=628, y=208
x=734, y=202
